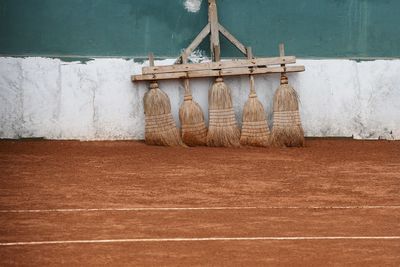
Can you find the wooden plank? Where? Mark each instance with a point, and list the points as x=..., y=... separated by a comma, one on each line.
x=282, y=50
x=151, y=59
x=220, y=65
x=216, y=73
x=213, y=20
x=249, y=53
x=232, y=39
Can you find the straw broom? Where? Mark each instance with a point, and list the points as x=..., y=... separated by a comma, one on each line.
x=222, y=130
x=287, y=129
x=255, y=131
x=194, y=130
x=160, y=126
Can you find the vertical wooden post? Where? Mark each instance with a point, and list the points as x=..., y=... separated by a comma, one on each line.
x=151, y=59
x=284, y=79
x=282, y=50
x=154, y=83
x=214, y=25
x=249, y=52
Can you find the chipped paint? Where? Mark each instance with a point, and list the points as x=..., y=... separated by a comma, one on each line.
x=192, y=6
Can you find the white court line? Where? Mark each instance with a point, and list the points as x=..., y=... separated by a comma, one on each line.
x=194, y=208
x=127, y=209
x=137, y=240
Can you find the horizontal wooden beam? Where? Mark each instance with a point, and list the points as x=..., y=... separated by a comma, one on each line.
x=216, y=73
x=239, y=63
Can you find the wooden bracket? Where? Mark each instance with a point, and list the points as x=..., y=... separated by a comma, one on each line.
x=215, y=73
x=255, y=62
x=249, y=66
x=197, y=41
x=232, y=39
x=213, y=28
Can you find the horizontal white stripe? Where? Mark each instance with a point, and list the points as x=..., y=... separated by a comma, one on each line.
x=266, y=238
x=194, y=208
x=127, y=209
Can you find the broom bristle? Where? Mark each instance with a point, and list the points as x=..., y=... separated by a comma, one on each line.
x=160, y=126
x=255, y=131
x=287, y=129
x=194, y=130
x=223, y=130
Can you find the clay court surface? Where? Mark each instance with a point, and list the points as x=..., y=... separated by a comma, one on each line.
x=335, y=202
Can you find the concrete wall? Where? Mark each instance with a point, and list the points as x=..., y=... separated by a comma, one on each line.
x=43, y=97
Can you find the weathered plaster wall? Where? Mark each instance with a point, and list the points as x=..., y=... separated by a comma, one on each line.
x=43, y=97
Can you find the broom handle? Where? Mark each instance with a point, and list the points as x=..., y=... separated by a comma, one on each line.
x=188, y=92
x=284, y=78
x=252, y=86
x=252, y=83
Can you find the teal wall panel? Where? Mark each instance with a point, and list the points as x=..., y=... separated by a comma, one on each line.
x=132, y=28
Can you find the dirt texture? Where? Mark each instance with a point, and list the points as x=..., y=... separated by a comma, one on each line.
x=331, y=188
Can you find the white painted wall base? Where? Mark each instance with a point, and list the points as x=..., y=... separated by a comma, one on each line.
x=43, y=97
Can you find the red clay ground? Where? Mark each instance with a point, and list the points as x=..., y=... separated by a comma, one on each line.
x=334, y=202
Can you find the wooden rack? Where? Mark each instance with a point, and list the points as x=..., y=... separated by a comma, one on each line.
x=218, y=68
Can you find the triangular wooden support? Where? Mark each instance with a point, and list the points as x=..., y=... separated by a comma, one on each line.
x=213, y=28
x=181, y=69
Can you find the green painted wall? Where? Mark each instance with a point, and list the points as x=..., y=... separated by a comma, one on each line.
x=132, y=28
